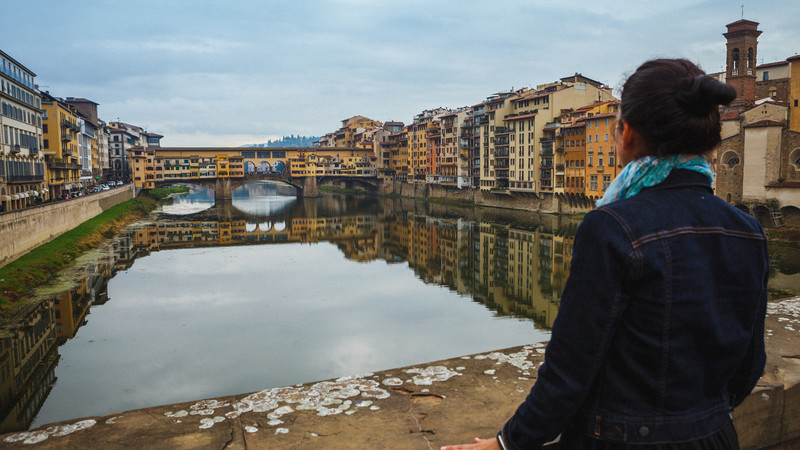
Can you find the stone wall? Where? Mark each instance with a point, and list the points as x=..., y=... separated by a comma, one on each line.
x=781, y=88
x=26, y=229
x=729, y=179
x=545, y=203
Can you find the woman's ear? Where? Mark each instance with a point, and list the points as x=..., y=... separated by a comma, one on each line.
x=632, y=145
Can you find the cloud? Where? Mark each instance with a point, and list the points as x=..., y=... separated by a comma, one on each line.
x=169, y=44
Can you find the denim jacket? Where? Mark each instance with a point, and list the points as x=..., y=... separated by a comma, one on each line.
x=660, y=331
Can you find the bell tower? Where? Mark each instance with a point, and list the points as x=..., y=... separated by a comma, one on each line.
x=740, y=72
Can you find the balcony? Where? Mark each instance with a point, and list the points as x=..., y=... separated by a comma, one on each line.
x=501, y=131
x=57, y=163
x=501, y=141
x=72, y=126
x=25, y=178
x=551, y=125
x=66, y=137
x=546, y=151
x=15, y=149
x=501, y=153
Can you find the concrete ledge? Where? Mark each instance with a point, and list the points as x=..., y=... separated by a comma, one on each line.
x=26, y=229
x=418, y=407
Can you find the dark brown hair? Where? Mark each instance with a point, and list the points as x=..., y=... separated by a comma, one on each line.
x=674, y=107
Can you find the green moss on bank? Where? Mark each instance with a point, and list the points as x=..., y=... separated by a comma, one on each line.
x=40, y=264
x=163, y=193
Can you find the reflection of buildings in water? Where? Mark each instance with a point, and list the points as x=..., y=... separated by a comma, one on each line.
x=29, y=347
x=124, y=251
x=71, y=308
x=512, y=271
x=28, y=357
x=356, y=235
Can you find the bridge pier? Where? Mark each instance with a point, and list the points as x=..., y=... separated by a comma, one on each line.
x=223, y=189
x=310, y=187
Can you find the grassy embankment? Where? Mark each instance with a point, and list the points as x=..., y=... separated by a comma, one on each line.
x=40, y=264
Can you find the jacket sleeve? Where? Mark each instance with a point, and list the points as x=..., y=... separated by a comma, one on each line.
x=752, y=367
x=591, y=307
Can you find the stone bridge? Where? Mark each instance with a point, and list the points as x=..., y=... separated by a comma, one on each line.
x=223, y=187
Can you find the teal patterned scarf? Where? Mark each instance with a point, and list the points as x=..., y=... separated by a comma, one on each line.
x=649, y=171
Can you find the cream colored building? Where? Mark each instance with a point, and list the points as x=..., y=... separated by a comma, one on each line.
x=22, y=165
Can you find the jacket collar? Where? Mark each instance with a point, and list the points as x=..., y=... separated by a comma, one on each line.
x=679, y=178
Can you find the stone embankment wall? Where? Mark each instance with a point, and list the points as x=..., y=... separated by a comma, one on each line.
x=26, y=229
x=545, y=203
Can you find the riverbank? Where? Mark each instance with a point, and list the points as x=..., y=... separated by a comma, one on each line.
x=41, y=263
x=35, y=267
x=416, y=407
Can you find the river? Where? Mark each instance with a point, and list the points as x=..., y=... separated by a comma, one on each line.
x=268, y=290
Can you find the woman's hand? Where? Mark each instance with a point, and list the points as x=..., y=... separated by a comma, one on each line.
x=480, y=444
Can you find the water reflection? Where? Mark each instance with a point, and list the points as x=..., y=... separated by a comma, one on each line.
x=264, y=198
x=301, y=305
x=198, y=199
x=260, y=198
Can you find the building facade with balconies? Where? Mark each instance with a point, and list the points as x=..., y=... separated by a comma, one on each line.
x=61, y=128
x=22, y=168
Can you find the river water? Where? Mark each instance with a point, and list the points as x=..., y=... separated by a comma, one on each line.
x=268, y=290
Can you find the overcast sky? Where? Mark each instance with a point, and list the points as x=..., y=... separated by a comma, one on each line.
x=232, y=72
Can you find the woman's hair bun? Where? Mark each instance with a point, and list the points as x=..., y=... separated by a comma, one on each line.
x=701, y=94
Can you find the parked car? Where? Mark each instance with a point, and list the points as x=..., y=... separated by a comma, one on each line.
x=119, y=183
x=104, y=187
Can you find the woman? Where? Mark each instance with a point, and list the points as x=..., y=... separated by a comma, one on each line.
x=660, y=330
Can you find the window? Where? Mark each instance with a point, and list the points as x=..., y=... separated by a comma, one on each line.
x=593, y=183
x=766, y=76
x=794, y=158
x=606, y=133
x=606, y=181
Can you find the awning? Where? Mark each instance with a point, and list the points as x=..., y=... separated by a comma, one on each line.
x=5, y=198
x=24, y=195
x=15, y=197
x=35, y=193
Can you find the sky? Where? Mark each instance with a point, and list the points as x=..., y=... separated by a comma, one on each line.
x=233, y=72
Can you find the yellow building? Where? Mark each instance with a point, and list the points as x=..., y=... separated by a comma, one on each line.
x=794, y=94
x=350, y=135
x=498, y=138
x=417, y=152
x=542, y=108
x=60, y=132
